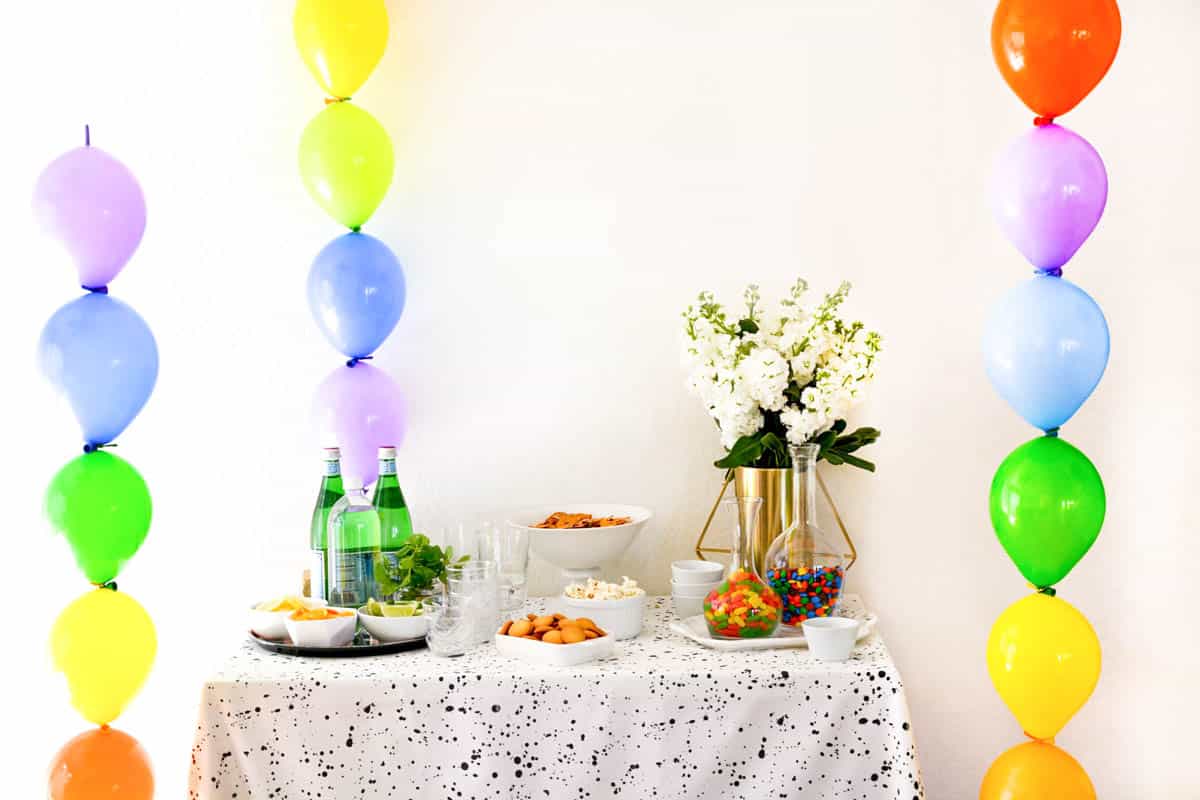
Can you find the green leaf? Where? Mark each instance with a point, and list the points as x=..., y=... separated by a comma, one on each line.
x=745, y=451
x=855, y=461
x=748, y=326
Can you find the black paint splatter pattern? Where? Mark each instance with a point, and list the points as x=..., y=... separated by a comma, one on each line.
x=664, y=718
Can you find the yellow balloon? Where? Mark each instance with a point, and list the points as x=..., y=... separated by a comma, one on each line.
x=104, y=643
x=1044, y=659
x=346, y=162
x=341, y=41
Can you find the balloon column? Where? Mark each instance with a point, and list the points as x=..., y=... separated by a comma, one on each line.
x=98, y=352
x=355, y=286
x=1045, y=348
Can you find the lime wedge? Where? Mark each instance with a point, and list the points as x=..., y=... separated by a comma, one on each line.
x=401, y=609
x=373, y=608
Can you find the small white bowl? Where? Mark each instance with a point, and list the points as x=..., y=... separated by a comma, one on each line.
x=695, y=571
x=687, y=606
x=621, y=619
x=830, y=638
x=699, y=590
x=333, y=632
x=273, y=624
x=394, y=629
x=555, y=655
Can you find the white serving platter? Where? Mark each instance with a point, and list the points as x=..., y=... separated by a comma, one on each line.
x=696, y=629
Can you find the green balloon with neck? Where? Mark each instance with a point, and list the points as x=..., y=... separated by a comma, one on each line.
x=100, y=503
x=1047, y=506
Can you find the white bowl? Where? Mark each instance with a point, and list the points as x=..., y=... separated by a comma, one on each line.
x=687, y=606
x=555, y=655
x=621, y=619
x=830, y=638
x=334, y=632
x=581, y=548
x=696, y=571
x=394, y=629
x=273, y=624
x=693, y=589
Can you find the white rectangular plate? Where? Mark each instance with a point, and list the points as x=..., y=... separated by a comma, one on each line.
x=696, y=629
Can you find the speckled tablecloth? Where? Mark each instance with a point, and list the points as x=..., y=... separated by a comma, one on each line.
x=663, y=718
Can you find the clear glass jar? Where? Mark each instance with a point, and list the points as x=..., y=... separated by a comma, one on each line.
x=743, y=606
x=805, y=566
x=353, y=543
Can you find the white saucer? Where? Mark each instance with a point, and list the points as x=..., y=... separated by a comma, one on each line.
x=696, y=629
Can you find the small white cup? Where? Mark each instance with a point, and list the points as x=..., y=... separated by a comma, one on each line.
x=700, y=590
x=830, y=638
x=696, y=571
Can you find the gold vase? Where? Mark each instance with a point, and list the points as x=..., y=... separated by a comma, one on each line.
x=780, y=508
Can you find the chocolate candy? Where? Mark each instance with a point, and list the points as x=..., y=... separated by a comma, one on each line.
x=807, y=593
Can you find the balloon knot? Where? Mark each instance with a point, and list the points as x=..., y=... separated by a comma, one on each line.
x=331, y=100
x=354, y=360
x=1052, y=272
x=356, y=229
x=1052, y=432
x=1047, y=590
x=92, y=448
x=96, y=289
x=1042, y=122
x=110, y=585
x=87, y=135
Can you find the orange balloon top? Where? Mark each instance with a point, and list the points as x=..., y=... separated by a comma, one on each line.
x=1052, y=53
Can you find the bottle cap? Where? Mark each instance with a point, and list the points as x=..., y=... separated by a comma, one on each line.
x=387, y=452
x=332, y=453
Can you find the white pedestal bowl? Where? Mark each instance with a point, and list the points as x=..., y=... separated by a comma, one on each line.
x=579, y=552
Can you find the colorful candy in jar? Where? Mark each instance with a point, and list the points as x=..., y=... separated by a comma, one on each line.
x=742, y=607
x=807, y=593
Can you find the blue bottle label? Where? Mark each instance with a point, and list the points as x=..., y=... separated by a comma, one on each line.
x=387, y=467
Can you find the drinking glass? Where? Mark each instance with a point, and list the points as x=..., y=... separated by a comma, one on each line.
x=473, y=589
x=462, y=539
x=509, y=548
x=451, y=631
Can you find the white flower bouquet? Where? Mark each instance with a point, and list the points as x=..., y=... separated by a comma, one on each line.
x=788, y=375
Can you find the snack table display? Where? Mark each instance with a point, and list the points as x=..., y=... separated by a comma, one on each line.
x=661, y=716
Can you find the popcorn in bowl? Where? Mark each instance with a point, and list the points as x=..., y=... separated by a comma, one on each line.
x=601, y=590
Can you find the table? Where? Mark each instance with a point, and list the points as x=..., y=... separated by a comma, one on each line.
x=664, y=718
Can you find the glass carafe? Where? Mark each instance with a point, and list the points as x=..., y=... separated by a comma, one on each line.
x=743, y=606
x=353, y=543
x=805, y=566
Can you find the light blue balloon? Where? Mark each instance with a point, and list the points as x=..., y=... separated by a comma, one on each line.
x=356, y=293
x=101, y=354
x=1045, y=347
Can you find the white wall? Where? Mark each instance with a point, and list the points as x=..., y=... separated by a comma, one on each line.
x=569, y=176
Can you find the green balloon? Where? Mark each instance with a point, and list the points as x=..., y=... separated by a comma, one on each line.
x=346, y=162
x=101, y=505
x=1047, y=506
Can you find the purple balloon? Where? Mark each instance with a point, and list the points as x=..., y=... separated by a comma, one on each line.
x=93, y=204
x=1048, y=192
x=359, y=409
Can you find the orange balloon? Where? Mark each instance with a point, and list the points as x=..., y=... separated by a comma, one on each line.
x=1053, y=52
x=1036, y=771
x=102, y=763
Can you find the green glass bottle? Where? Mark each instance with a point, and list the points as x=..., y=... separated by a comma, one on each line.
x=331, y=491
x=395, y=522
